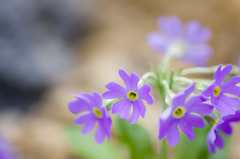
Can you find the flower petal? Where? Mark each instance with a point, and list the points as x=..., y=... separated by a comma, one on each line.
x=172, y=134
x=196, y=105
x=198, y=54
x=140, y=106
x=134, y=79
x=115, y=91
x=164, y=122
x=78, y=106
x=119, y=106
x=82, y=119
x=100, y=134
x=143, y=93
x=224, y=105
x=125, y=111
x=186, y=127
x=195, y=121
x=158, y=41
x=195, y=33
x=172, y=26
x=235, y=90
x=88, y=126
x=180, y=98
x=209, y=91
x=221, y=74
x=135, y=114
x=226, y=128
x=219, y=141
x=131, y=81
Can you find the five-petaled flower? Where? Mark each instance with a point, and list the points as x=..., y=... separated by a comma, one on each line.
x=186, y=42
x=218, y=91
x=131, y=95
x=180, y=114
x=95, y=112
x=223, y=124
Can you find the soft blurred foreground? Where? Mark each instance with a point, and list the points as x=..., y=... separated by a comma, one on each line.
x=49, y=49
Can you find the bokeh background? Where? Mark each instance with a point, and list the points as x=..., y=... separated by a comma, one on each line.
x=51, y=48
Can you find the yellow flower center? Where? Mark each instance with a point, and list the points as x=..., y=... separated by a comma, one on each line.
x=216, y=91
x=97, y=112
x=214, y=122
x=132, y=95
x=179, y=112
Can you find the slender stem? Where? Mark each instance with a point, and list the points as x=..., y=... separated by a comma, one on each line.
x=199, y=70
x=182, y=79
x=163, y=149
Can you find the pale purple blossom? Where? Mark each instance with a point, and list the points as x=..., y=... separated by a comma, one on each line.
x=223, y=124
x=129, y=96
x=219, y=91
x=183, y=114
x=92, y=112
x=188, y=42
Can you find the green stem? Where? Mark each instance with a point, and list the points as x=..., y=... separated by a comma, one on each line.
x=163, y=149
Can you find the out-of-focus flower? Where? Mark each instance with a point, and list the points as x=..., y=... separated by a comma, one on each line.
x=181, y=115
x=223, y=124
x=187, y=42
x=218, y=91
x=6, y=151
x=93, y=112
x=131, y=95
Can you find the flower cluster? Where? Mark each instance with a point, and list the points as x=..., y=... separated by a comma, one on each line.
x=213, y=101
x=97, y=112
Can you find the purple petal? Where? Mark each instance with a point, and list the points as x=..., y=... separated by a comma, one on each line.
x=232, y=82
x=82, y=119
x=209, y=91
x=164, y=122
x=235, y=90
x=219, y=141
x=134, y=79
x=230, y=101
x=97, y=99
x=196, y=105
x=180, y=98
x=223, y=105
x=158, y=41
x=119, y=106
x=226, y=128
x=172, y=134
x=211, y=148
x=100, y=134
x=115, y=91
x=194, y=120
x=88, y=126
x=143, y=93
x=198, y=54
x=78, y=106
x=172, y=26
x=196, y=34
x=131, y=81
x=211, y=137
x=125, y=111
x=140, y=107
x=221, y=74
x=186, y=127
x=137, y=110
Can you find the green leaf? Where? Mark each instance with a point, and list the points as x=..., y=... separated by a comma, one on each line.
x=136, y=139
x=198, y=148
x=85, y=146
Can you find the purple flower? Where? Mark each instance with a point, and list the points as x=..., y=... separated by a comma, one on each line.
x=187, y=42
x=92, y=112
x=219, y=91
x=223, y=124
x=131, y=95
x=181, y=115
